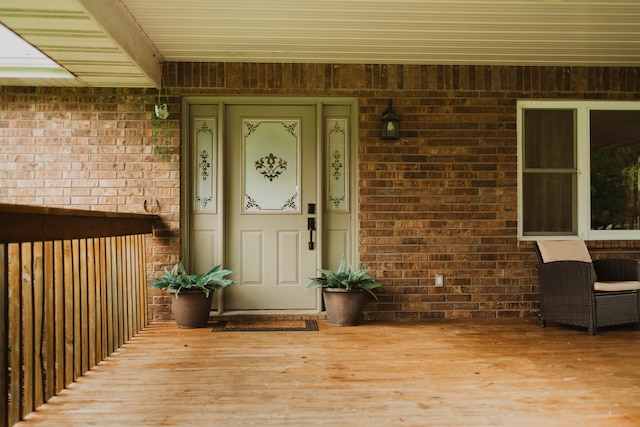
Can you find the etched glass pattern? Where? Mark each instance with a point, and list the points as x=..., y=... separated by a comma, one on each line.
x=271, y=166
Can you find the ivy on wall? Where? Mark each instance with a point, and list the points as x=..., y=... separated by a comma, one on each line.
x=162, y=130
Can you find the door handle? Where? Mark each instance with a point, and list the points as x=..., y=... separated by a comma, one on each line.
x=311, y=225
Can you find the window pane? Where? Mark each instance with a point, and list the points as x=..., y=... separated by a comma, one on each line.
x=548, y=203
x=615, y=166
x=549, y=137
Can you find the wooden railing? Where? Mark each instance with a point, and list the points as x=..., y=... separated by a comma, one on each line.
x=72, y=290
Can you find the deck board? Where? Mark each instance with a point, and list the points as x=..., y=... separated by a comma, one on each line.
x=440, y=373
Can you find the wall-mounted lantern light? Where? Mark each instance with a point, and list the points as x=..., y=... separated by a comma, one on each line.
x=390, y=124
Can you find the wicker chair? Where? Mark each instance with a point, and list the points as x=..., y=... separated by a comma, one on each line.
x=570, y=293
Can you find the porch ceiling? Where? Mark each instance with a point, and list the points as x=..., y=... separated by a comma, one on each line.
x=123, y=42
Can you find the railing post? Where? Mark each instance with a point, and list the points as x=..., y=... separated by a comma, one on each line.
x=69, y=297
x=4, y=337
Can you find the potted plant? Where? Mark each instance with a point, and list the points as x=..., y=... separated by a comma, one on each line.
x=191, y=294
x=343, y=292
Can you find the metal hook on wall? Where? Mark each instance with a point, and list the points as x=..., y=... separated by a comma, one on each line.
x=153, y=209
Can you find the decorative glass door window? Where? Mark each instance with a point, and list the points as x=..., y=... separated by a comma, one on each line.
x=271, y=180
x=205, y=161
x=337, y=162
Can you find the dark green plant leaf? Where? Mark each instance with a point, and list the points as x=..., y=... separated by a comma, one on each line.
x=177, y=280
x=345, y=277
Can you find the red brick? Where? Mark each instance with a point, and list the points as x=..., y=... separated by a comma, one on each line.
x=440, y=200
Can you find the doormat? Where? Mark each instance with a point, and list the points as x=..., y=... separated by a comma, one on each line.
x=265, y=325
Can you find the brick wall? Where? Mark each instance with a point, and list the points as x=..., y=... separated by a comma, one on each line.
x=90, y=149
x=442, y=199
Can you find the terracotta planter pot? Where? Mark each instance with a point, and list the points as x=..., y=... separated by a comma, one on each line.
x=343, y=306
x=191, y=308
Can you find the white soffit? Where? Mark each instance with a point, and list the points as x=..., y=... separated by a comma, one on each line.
x=122, y=42
x=19, y=59
x=490, y=32
x=94, y=49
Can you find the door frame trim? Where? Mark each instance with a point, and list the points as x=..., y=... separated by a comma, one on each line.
x=186, y=189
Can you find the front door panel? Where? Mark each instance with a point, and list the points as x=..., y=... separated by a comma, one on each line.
x=270, y=180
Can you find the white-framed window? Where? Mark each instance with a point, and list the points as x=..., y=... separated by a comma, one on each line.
x=578, y=170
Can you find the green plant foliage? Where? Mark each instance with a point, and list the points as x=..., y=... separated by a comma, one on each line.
x=177, y=280
x=162, y=132
x=346, y=277
x=614, y=182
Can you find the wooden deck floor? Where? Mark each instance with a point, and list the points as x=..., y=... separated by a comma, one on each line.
x=436, y=373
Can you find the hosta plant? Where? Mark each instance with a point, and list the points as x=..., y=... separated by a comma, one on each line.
x=178, y=280
x=346, y=277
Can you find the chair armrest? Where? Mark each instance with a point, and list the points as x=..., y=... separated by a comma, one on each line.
x=566, y=278
x=613, y=270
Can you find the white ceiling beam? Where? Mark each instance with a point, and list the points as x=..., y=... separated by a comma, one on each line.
x=121, y=28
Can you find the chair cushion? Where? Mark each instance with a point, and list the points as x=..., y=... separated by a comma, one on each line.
x=616, y=286
x=563, y=250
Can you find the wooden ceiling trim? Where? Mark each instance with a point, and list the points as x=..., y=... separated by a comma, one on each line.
x=133, y=42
